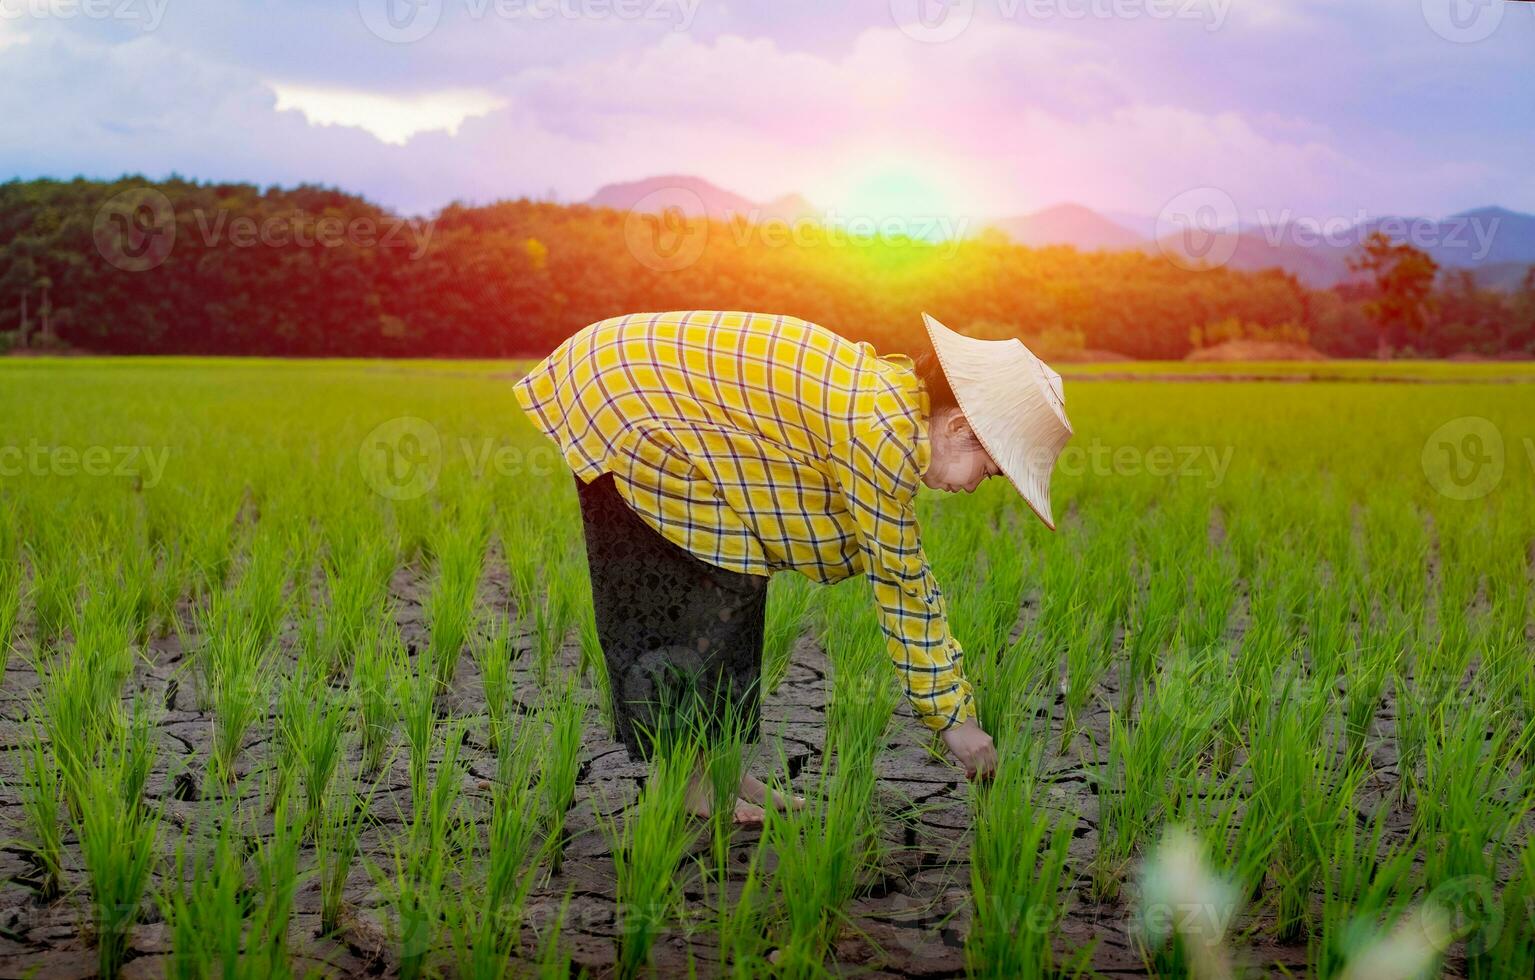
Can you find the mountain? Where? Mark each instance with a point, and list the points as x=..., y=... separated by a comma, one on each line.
x=1496, y=243
x=1069, y=224
x=697, y=197
x=1318, y=265
x=1470, y=239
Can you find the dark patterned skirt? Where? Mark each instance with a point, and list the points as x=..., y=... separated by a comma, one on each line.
x=682, y=638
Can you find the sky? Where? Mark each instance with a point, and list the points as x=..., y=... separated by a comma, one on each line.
x=1308, y=109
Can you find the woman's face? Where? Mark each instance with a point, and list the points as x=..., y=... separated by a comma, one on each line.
x=959, y=461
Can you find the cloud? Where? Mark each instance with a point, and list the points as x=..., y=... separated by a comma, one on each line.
x=392, y=118
x=1012, y=115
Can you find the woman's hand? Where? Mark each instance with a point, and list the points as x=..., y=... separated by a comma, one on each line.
x=973, y=748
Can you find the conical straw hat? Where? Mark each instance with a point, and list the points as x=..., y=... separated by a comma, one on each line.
x=1015, y=404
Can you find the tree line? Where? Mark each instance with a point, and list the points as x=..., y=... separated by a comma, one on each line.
x=183, y=267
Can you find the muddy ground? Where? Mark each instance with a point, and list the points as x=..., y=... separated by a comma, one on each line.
x=909, y=921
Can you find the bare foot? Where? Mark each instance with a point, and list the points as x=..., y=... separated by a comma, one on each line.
x=754, y=790
x=700, y=803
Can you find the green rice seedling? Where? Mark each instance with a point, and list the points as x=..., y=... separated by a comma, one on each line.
x=417, y=884
x=204, y=902
x=316, y=738
x=239, y=675
x=74, y=718
x=1013, y=688
x=11, y=594
x=42, y=794
x=482, y=947
x=1153, y=618
x=1017, y=872
x=553, y=615
x=209, y=535
x=523, y=546
x=416, y=694
x=485, y=921
x=1501, y=934
x=260, y=595
x=820, y=849
x=741, y=917
x=561, y=753
x=337, y=842
x=1301, y=795
x=354, y=595
x=450, y=604
x=740, y=913
x=1214, y=589
x=1148, y=762
x=1086, y=662
x=55, y=583
x=648, y=844
x=512, y=841
x=1366, y=684
x=118, y=850
x=493, y=656
x=276, y=864
x=593, y=664
x=167, y=579
x=1467, y=810
x=380, y=660
x=1367, y=881
x=138, y=758
x=788, y=602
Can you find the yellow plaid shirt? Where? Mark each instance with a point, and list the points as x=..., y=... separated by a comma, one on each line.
x=763, y=443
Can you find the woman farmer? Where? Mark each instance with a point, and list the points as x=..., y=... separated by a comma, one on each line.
x=712, y=449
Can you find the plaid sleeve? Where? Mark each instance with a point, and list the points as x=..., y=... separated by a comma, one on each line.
x=877, y=473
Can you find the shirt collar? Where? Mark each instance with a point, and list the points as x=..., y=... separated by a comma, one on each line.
x=914, y=396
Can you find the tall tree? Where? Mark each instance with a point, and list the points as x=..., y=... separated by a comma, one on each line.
x=1404, y=284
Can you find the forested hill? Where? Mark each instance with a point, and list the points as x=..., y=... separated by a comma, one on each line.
x=183, y=267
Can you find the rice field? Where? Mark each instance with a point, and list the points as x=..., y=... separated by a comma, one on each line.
x=301, y=678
